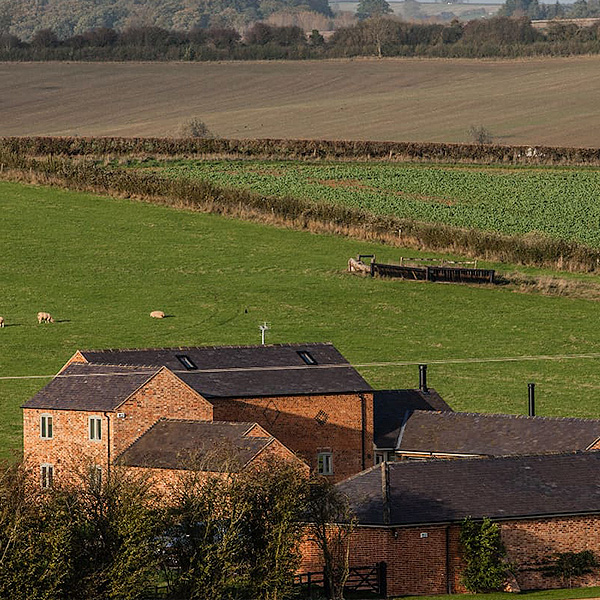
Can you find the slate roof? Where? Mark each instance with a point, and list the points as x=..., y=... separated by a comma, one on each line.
x=495, y=435
x=391, y=409
x=442, y=491
x=91, y=387
x=248, y=371
x=175, y=444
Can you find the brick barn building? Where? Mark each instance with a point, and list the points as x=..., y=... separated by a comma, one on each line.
x=307, y=396
x=409, y=516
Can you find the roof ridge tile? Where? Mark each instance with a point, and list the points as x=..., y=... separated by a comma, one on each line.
x=509, y=457
x=208, y=347
x=449, y=414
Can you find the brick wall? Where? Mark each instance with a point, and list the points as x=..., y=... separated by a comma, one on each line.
x=164, y=396
x=76, y=358
x=418, y=565
x=293, y=420
x=70, y=447
x=528, y=542
x=415, y=564
x=277, y=451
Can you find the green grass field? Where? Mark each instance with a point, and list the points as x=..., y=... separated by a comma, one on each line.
x=563, y=594
x=100, y=265
x=561, y=202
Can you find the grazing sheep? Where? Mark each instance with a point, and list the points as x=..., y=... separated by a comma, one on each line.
x=44, y=317
x=157, y=314
x=358, y=266
x=1, y=321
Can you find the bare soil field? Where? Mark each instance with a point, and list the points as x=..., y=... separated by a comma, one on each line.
x=550, y=101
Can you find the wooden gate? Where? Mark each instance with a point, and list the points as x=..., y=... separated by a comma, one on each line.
x=370, y=579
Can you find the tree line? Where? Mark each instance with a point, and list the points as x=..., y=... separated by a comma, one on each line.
x=24, y=17
x=580, y=9
x=376, y=36
x=111, y=536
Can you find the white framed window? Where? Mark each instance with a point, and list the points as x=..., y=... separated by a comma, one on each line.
x=46, y=427
x=95, y=428
x=46, y=475
x=325, y=463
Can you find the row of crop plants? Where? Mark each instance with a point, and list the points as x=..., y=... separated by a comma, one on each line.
x=557, y=202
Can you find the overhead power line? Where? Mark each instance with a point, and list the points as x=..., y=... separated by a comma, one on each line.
x=373, y=365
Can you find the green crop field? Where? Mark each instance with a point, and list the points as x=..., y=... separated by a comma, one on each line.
x=561, y=202
x=100, y=265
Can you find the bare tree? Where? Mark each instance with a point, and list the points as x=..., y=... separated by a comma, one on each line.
x=480, y=134
x=331, y=522
x=194, y=128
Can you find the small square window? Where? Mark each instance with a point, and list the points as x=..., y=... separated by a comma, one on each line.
x=307, y=357
x=95, y=428
x=186, y=361
x=325, y=463
x=46, y=428
x=46, y=475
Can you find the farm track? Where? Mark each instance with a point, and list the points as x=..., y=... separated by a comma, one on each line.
x=547, y=101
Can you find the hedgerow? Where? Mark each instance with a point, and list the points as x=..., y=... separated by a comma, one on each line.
x=299, y=149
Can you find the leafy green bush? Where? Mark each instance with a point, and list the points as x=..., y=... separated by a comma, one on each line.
x=484, y=555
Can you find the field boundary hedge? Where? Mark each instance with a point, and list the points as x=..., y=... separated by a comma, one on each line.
x=302, y=149
x=299, y=213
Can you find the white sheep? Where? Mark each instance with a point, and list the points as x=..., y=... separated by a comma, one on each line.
x=1, y=321
x=44, y=317
x=157, y=314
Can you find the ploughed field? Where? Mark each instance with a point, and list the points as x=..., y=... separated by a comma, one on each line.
x=549, y=101
x=100, y=265
x=559, y=202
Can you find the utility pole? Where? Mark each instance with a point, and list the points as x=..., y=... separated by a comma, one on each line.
x=263, y=328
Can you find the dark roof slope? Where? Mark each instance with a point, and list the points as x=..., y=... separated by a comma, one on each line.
x=247, y=371
x=91, y=387
x=391, y=409
x=436, y=491
x=495, y=435
x=210, y=445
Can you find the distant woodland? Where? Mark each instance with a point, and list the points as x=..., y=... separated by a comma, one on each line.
x=191, y=30
x=381, y=36
x=67, y=18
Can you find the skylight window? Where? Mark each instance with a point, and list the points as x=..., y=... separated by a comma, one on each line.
x=307, y=357
x=187, y=362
